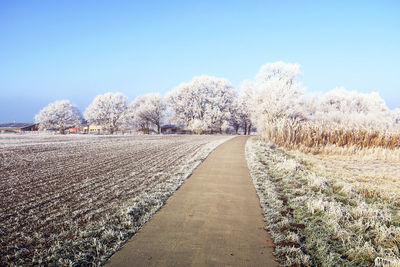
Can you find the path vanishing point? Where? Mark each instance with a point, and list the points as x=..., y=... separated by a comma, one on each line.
x=214, y=219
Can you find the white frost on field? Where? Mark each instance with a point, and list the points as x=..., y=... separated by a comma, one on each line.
x=74, y=200
x=318, y=218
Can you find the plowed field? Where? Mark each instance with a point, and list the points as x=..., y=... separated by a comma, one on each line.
x=75, y=199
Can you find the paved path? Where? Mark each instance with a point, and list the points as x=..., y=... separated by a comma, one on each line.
x=214, y=219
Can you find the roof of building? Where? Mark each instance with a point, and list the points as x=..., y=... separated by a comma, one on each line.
x=15, y=125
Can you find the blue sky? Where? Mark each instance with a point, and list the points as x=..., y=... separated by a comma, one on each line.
x=52, y=50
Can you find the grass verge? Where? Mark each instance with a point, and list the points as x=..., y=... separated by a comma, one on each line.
x=317, y=218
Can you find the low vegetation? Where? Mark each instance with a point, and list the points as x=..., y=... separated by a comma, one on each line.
x=74, y=200
x=313, y=137
x=340, y=208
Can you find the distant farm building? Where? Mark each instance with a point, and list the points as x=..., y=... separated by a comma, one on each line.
x=18, y=127
x=91, y=129
x=73, y=130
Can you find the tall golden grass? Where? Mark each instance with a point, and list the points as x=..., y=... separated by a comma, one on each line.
x=295, y=134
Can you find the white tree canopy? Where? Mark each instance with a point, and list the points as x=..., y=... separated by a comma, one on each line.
x=107, y=111
x=274, y=93
x=145, y=111
x=187, y=102
x=240, y=115
x=204, y=99
x=244, y=113
x=353, y=110
x=59, y=115
x=396, y=117
x=235, y=119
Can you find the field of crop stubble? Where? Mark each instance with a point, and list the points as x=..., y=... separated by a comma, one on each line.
x=340, y=207
x=76, y=199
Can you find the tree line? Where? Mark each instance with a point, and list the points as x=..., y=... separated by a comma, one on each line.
x=284, y=113
x=203, y=105
x=274, y=102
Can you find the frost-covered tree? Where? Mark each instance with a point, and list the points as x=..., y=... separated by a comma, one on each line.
x=197, y=126
x=220, y=96
x=274, y=93
x=147, y=110
x=245, y=114
x=396, y=117
x=235, y=119
x=107, y=111
x=187, y=102
x=352, y=109
x=59, y=115
x=284, y=114
x=204, y=99
x=136, y=115
x=155, y=108
x=240, y=115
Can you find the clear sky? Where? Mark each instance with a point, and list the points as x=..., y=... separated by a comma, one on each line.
x=52, y=50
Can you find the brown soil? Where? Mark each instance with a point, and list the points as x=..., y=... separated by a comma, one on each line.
x=214, y=219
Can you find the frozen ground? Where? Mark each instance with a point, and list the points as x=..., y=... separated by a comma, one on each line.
x=74, y=200
x=329, y=210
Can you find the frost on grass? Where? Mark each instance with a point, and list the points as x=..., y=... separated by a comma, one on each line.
x=324, y=217
x=74, y=200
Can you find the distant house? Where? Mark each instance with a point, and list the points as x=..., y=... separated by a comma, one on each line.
x=86, y=128
x=18, y=127
x=92, y=129
x=73, y=130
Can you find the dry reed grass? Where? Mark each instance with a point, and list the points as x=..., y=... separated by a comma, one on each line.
x=313, y=137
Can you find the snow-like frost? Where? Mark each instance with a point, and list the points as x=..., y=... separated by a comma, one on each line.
x=318, y=218
x=76, y=199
